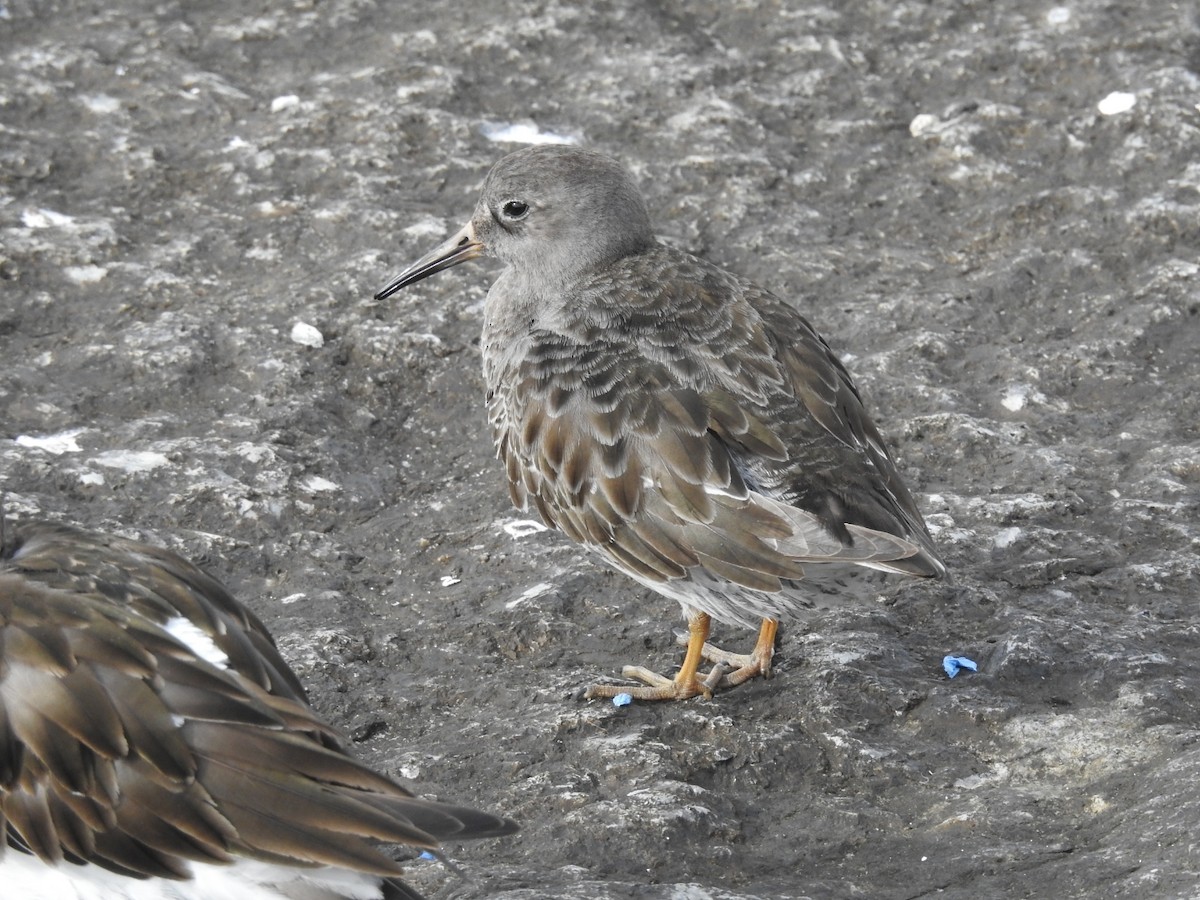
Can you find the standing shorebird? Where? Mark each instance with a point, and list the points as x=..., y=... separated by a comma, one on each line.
x=154, y=744
x=687, y=425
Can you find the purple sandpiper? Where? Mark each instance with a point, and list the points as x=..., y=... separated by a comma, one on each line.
x=688, y=426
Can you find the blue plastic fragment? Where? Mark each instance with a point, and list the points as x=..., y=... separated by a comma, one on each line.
x=955, y=664
x=622, y=699
x=425, y=854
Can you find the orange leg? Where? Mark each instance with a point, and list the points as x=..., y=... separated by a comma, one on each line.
x=746, y=665
x=687, y=682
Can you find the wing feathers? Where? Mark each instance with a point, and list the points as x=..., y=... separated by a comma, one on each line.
x=120, y=747
x=728, y=448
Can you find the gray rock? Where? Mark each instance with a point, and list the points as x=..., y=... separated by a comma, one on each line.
x=1009, y=273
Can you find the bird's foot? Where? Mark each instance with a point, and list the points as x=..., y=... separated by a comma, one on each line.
x=741, y=667
x=729, y=669
x=659, y=687
x=737, y=668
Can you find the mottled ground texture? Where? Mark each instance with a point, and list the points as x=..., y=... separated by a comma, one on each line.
x=1012, y=275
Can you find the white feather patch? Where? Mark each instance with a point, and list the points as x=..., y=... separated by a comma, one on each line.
x=196, y=640
x=29, y=878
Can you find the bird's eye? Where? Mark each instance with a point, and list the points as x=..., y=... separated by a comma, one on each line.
x=515, y=209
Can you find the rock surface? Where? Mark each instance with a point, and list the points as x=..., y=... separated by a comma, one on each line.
x=197, y=202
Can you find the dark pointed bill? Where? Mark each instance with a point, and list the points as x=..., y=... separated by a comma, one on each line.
x=458, y=248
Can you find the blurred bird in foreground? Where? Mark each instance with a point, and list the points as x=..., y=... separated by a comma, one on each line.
x=154, y=744
x=687, y=425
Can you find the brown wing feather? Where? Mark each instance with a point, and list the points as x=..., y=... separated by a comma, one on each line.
x=120, y=747
x=676, y=437
x=853, y=465
x=639, y=490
